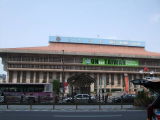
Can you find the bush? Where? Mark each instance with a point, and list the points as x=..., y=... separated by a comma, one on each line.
x=143, y=99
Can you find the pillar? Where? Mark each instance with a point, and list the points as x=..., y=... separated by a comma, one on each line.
x=14, y=77
x=126, y=80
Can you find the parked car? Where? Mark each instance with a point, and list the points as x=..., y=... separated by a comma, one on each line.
x=68, y=100
x=153, y=110
x=85, y=98
x=128, y=98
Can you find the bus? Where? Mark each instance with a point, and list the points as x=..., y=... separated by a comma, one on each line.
x=26, y=92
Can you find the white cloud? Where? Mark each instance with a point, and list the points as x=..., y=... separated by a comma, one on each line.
x=155, y=18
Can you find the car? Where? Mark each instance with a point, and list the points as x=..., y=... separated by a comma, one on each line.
x=85, y=98
x=153, y=110
x=68, y=100
x=127, y=98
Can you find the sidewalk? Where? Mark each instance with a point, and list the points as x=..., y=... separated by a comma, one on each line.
x=67, y=107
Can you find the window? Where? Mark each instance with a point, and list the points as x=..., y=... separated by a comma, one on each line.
x=10, y=76
x=118, y=79
x=50, y=76
x=45, y=77
x=31, y=77
x=100, y=79
x=107, y=79
x=112, y=79
x=37, y=77
x=24, y=77
x=18, y=76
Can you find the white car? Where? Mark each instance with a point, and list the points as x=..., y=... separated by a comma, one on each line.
x=84, y=98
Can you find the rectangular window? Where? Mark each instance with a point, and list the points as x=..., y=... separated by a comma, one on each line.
x=31, y=77
x=100, y=79
x=107, y=79
x=10, y=76
x=18, y=76
x=112, y=79
x=24, y=77
x=37, y=77
x=118, y=79
x=50, y=76
x=45, y=77
x=58, y=76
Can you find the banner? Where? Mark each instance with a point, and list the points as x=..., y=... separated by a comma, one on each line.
x=110, y=62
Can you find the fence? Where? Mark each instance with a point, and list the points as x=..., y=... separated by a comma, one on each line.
x=69, y=103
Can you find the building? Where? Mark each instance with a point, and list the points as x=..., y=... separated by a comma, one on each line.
x=111, y=64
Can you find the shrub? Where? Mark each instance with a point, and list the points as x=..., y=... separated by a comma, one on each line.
x=143, y=99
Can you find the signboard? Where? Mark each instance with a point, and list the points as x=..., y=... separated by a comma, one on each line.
x=96, y=41
x=109, y=62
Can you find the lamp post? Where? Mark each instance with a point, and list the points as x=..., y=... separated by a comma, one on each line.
x=62, y=82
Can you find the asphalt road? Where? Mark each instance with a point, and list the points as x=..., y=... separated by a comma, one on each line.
x=49, y=115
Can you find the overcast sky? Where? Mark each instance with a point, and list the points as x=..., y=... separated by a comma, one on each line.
x=26, y=23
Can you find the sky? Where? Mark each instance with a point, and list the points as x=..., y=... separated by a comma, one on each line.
x=26, y=23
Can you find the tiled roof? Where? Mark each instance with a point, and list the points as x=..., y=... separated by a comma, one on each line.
x=91, y=48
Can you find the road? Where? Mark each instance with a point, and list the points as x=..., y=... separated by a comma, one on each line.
x=52, y=115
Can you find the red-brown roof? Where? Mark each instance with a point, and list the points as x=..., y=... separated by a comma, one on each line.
x=91, y=48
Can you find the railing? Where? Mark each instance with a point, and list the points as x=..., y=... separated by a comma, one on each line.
x=50, y=103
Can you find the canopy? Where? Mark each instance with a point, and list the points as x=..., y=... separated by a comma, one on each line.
x=81, y=79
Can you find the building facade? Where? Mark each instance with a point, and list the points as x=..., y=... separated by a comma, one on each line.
x=111, y=63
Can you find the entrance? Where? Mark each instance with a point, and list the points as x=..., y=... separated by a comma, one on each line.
x=80, y=83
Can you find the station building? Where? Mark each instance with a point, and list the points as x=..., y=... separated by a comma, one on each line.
x=111, y=64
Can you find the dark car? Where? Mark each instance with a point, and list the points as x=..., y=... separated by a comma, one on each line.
x=127, y=98
x=153, y=110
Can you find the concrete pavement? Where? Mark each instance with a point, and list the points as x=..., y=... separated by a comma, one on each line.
x=52, y=115
x=66, y=107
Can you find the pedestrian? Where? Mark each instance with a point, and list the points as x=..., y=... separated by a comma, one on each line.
x=106, y=98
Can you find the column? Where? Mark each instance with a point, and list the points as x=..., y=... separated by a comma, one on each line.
x=54, y=76
x=92, y=85
x=61, y=77
x=121, y=82
x=65, y=84
x=34, y=77
x=14, y=77
x=21, y=77
x=115, y=80
x=7, y=79
x=110, y=82
x=97, y=84
x=27, y=77
x=126, y=83
x=47, y=77
x=40, y=77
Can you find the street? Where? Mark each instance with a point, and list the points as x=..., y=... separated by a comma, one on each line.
x=78, y=115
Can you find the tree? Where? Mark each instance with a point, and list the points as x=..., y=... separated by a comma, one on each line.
x=56, y=86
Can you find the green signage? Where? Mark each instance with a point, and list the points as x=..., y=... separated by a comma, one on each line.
x=110, y=62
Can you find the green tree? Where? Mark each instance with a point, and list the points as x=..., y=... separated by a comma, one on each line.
x=56, y=86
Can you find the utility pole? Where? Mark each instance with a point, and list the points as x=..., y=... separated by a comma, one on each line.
x=63, y=80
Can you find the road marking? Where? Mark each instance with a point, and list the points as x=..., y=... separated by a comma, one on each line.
x=84, y=116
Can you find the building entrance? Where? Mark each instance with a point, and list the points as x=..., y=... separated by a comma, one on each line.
x=80, y=83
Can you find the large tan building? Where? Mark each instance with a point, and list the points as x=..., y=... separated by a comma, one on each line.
x=112, y=64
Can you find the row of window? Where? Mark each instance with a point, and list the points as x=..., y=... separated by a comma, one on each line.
x=69, y=59
x=47, y=59
x=80, y=67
